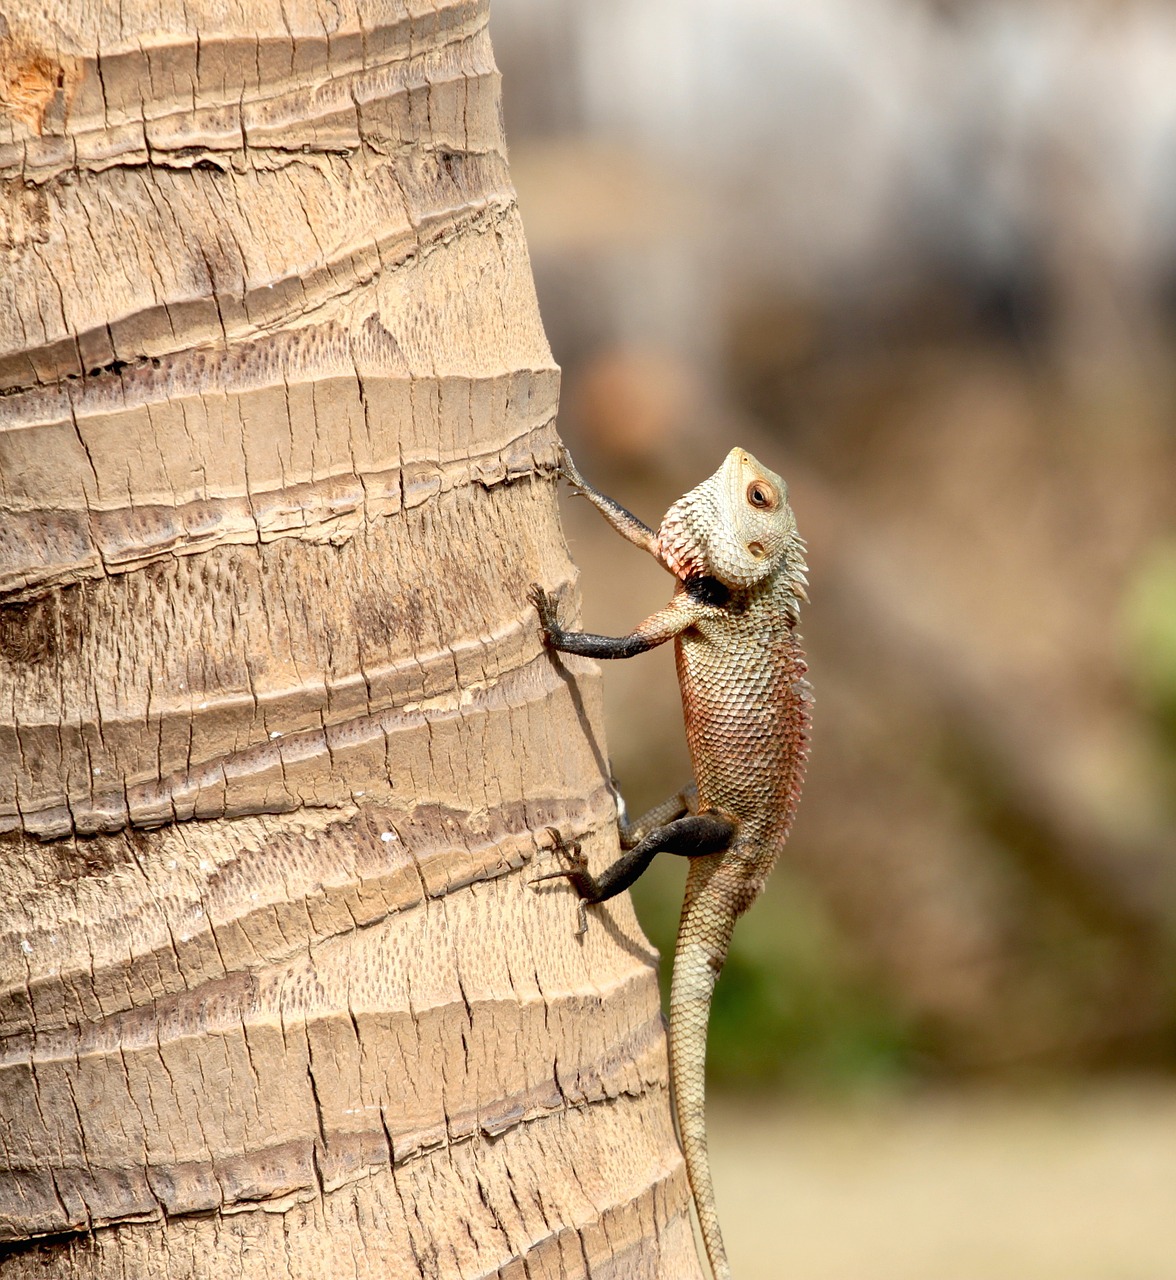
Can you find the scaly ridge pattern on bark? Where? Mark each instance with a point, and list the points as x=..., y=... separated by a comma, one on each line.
x=277, y=741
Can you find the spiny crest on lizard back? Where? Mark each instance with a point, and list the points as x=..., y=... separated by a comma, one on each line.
x=736, y=527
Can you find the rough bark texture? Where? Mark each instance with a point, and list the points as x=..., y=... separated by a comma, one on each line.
x=277, y=737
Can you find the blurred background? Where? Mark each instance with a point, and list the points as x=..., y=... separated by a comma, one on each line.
x=921, y=259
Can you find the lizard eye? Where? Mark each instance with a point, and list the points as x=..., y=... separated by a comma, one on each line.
x=761, y=494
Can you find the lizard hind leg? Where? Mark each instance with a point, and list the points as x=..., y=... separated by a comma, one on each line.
x=694, y=836
x=677, y=806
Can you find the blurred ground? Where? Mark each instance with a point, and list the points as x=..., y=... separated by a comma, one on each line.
x=1077, y=1184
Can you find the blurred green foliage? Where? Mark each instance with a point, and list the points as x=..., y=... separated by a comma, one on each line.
x=788, y=1011
x=1149, y=629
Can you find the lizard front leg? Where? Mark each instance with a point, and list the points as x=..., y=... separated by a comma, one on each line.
x=622, y=520
x=683, y=611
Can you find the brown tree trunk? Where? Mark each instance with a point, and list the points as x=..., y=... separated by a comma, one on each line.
x=278, y=742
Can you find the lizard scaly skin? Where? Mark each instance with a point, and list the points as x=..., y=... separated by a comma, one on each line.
x=733, y=546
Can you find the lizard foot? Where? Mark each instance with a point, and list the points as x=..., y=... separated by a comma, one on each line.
x=572, y=852
x=575, y=872
x=548, y=621
x=622, y=808
x=569, y=471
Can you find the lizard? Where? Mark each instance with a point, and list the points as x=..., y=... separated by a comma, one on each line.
x=733, y=547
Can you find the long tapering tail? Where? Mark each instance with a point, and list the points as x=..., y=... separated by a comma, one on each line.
x=703, y=936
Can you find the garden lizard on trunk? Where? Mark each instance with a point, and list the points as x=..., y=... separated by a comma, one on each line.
x=732, y=544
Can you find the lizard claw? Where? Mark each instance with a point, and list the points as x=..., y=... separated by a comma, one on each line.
x=563, y=850
x=622, y=807
x=624, y=826
x=545, y=607
x=579, y=865
x=569, y=471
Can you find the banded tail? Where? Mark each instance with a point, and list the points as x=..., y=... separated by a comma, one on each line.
x=703, y=937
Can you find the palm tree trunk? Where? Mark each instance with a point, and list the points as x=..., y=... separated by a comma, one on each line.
x=278, y=742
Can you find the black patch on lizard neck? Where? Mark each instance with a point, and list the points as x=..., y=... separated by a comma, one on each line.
x=708, y=591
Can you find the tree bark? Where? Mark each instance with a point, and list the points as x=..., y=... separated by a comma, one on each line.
x=278, y=741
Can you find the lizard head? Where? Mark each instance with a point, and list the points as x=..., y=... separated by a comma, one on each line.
x=736, y=527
